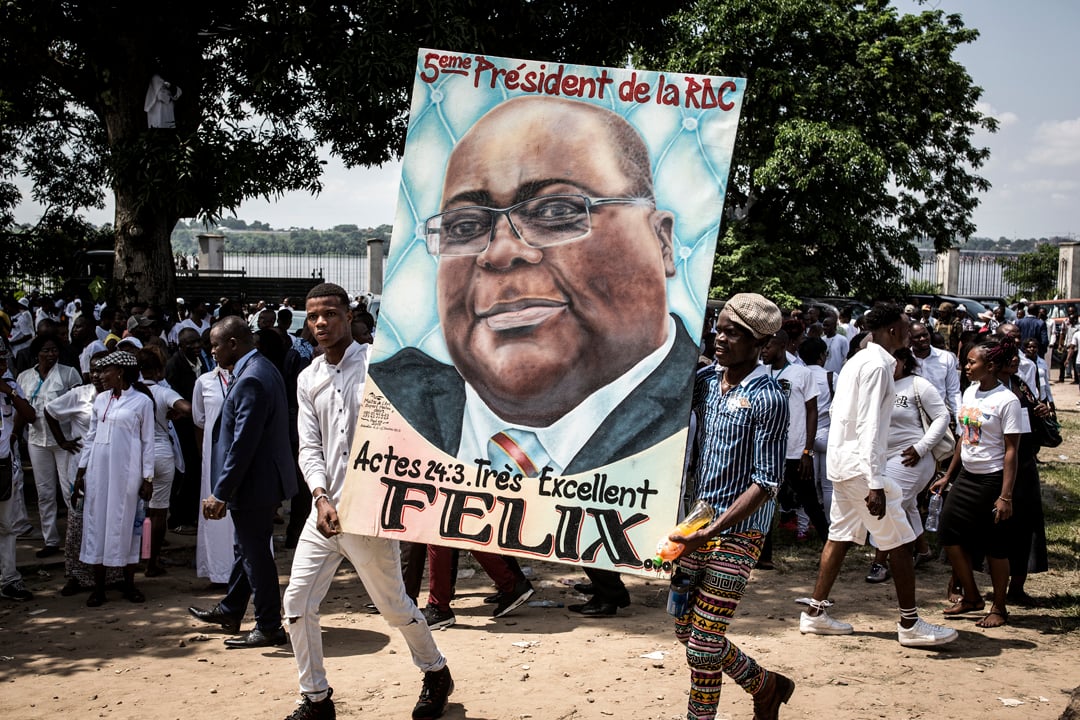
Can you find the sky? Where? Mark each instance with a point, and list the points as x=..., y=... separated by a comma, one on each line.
x=1024, y=60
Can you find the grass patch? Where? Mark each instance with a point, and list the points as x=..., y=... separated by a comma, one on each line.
x=1061, y=507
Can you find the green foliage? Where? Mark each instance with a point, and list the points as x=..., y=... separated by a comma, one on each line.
x=266, y=87
x=922, y=287
x=1034, y=273
x=345, y=239
x=854, y=139
x=46, y=251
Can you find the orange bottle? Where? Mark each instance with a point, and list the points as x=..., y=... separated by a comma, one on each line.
x=700, y=515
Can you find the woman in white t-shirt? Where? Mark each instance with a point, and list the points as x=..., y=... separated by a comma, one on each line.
x=168, y=405
x=909, y=461
x=979, y=505
x=814, y=352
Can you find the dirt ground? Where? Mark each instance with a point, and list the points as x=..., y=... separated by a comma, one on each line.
x=154, y=662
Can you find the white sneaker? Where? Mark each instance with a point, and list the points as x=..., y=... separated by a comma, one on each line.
x=924, y=634
x=822, y=625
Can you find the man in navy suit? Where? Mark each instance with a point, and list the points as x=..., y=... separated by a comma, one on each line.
x=253, y=473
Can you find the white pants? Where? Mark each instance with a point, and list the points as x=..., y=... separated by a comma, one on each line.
x=50, y=469
x=821, y=447
x=8, y=518
x=18, y=520
x=377, y=562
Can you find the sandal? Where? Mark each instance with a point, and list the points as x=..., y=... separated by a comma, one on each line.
x=987, y=623
x=133, y=594
x=96, y=599
x=962, y=606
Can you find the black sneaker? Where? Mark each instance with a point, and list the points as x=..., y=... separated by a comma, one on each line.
x=437, y=688
x=512, y=600
x=438, y=619
x=15, y=590
x=322, y=710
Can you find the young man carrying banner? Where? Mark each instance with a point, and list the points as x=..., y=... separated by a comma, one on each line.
x=329, y=392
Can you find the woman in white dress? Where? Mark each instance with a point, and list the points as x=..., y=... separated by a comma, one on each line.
x=76, y=407
x=214, y=545
x=910, y=464
x=116, y=470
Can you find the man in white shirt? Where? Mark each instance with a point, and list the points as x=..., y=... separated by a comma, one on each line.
x=197, y=320
x=22, y=324
x=939, y=367
x=864, y=499
x=837, y=344
x=329, y=392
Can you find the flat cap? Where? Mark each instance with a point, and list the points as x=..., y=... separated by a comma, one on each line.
x=755, y=313
x=119, y=357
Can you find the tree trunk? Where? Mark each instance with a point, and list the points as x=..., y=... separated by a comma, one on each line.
x=143, y=269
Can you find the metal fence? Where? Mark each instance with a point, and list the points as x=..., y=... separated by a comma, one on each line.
x=981, y=273
x=348, y=270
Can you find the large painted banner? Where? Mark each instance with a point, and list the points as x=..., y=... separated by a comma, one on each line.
x=530, y=383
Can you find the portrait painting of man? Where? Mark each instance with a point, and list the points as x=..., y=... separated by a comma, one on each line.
x=537, y=324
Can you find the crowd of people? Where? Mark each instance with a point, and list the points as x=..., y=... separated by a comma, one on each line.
x=205, y=420
x=845, y=425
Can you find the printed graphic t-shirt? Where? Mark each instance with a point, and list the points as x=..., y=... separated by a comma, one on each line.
x=986, y=417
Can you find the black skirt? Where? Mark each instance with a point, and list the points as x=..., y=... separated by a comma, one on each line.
x=1028, y=546
x=967, y=518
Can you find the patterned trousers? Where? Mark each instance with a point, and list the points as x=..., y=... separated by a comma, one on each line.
x=719, y=570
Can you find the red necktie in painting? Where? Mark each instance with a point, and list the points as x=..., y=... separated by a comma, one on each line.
x=520, y=450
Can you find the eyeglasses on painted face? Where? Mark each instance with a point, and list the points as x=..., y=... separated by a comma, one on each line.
x=538, y=222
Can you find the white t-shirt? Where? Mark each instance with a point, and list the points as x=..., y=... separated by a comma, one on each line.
x=906, y=426
x=799, y=387
x=838, y=346
x=164, y=399
x=7, y=418
x=824, y=398
x=986, y=417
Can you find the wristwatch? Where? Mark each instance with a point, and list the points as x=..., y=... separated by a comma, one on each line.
x=808, y=453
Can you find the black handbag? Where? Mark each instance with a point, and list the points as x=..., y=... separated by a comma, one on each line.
x=1046, y=431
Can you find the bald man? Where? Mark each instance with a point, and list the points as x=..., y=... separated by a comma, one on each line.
x=553, y=261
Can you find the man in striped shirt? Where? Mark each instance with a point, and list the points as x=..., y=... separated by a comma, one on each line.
x=740, y=447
